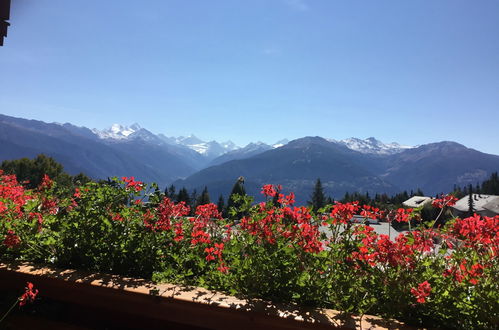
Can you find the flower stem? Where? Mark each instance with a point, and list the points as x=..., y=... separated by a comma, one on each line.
x=438, y=216
x=10, y=309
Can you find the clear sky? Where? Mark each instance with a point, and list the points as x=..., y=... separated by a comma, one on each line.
x=411, y=71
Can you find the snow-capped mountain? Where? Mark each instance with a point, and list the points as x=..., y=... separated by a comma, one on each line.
x=210, y=149
x=134, y=151
x=122, y=133
x=280, y=143
x=117, y=131
x=214, y=149
x=372, y=146
x=241, y=153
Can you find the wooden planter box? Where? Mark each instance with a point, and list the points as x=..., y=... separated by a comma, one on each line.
x=131, y=302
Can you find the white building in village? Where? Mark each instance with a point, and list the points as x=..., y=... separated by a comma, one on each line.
x=485, y=205
x=417, y=201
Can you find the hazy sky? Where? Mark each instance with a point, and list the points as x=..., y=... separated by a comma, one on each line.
x=411, y=71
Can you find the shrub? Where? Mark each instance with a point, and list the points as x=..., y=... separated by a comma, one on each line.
x=277, y=251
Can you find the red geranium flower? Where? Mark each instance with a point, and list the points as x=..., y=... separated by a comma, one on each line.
x=29, y=295
x=11, y=239
x=422, y=292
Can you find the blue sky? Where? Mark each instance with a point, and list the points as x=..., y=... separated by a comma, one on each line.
x=414, y=72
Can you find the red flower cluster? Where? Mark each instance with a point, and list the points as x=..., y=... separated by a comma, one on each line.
x=465, y=272
x=131, y=183
x=166, y=212
x=3, y=208
x=50, y=206
x=292, y=223
x=29, y=295
x=117, y=217
x=403, y=215
x=286, y=200
x=268, y=190
x=422, y=292
x=423, y=240
x=478, y=232
x=342, y=213
x=371, y=212
x=207, y=212
x=179, y=231
x=11, y=239
x=213, y=253
x=443, y=201
x=46, y=183
x=377, y=249
x=13, y=195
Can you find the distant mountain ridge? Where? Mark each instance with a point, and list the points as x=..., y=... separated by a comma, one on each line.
x=434, y=168
x=352, y=164
x=214, y=149
x=210, y=149
x=80, y=150
x=373, y=146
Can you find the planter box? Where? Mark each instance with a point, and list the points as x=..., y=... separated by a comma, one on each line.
x=131, y=301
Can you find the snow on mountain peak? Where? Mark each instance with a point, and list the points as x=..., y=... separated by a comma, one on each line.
x=280, y=143
x=372, y=146
x=117, y=131
x=369, y=145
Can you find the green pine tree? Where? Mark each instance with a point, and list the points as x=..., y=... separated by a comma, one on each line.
x=183, y=196
x=491, y=186
x=318, y=198
x=471, y=204
x=33, y=170
x=237, y=190
x=170, y=193
x=221, y=205
x=204, y=198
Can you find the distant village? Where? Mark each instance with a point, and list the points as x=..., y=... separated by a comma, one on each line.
x=484, y=205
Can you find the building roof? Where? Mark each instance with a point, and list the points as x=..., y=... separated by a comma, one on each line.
x=380, y=228
x=493, y=205
x=479, y=203
x=417, y=201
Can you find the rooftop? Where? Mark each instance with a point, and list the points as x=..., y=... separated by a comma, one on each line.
x=480, y=203
x=417, y=201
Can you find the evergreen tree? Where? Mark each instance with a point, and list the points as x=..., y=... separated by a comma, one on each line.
x=419, y=192
x=80, y=179
x=471, y=205
x=491, y=186
x=237, y=189
x=170, y=193
x=194, y=199
x=318, y=198
x=204, y=198
x=221, y=205
x=33, y=170
x=384, y=198
x=183, y=196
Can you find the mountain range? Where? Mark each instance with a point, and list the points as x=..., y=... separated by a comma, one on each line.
x=363, y=165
